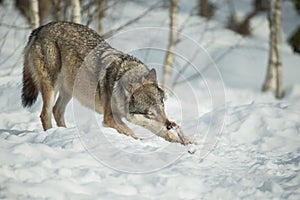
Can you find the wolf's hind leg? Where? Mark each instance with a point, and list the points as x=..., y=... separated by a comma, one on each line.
x=48, y=98
x=60, y=107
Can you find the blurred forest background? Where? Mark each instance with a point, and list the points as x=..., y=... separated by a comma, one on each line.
x=97, y=14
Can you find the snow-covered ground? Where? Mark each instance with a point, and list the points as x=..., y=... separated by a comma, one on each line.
x=248, y=142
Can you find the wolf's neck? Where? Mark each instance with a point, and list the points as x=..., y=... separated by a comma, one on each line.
x=134, y=75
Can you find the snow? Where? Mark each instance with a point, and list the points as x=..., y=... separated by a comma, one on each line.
x=248, y=142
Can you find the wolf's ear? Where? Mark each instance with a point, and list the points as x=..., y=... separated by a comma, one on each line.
x=150, y=77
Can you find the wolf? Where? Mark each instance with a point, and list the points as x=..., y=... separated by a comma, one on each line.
x=125, y=87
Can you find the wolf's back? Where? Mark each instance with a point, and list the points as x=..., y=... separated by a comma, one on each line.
x=48, y=47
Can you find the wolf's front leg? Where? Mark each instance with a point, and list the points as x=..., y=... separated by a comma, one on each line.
x=114, y=121
x=169, y=136
x=120, y=126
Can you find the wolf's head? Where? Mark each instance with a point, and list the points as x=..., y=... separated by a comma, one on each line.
x=146, y=104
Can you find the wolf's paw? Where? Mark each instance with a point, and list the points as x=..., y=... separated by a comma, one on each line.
x=126, y=131
x=135, y=137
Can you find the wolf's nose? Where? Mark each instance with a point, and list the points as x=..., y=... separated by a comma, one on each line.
x=169, y=125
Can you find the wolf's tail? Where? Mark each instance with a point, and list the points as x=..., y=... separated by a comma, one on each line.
x=29, y=91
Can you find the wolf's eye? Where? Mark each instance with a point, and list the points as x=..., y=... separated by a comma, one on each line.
x=138, y=112
x=141, y=113
x=151, y=113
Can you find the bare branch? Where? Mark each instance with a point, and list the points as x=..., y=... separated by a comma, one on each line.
x=14, y=26
x=216, y=60
x=137, y=18
x=182, y=70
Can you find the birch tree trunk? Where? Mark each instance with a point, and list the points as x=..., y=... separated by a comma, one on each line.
x=274, y=71
x=101, y=7
x=173, y=38
x=76, y=13
x=34, y=14
x=278, y=64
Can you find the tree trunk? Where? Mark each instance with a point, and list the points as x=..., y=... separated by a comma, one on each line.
x=173, y=38
x=34, y=10
x=76, y=15
x=278, y=64
x=101, y=7
x=274, y=71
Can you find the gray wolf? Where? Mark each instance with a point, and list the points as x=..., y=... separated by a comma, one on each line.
x=126, y=88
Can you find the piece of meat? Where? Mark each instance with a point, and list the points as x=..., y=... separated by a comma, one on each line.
x=182, y=137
